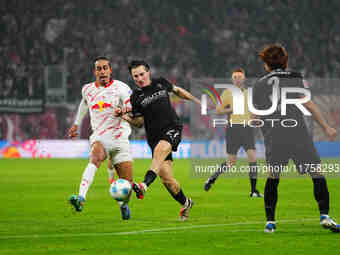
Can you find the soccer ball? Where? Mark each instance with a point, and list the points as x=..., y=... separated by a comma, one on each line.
x=120, y=189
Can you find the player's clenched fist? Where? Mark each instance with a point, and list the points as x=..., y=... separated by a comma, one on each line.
x=72, y=133
x=119, y=112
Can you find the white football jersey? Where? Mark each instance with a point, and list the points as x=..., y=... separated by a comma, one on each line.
x=101, y=102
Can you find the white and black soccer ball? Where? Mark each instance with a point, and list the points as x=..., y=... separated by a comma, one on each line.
x=120, y=189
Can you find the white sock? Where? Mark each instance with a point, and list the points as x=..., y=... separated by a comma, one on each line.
x=87, y=179
x=111, y=173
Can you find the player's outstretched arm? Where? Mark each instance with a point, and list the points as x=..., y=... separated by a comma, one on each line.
x=182, y=93
x=82, y=110
x=317, y=115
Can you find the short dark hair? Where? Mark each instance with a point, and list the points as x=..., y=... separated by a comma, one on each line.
x=275, y=56
x=101, y=58
x=135, y=63
x=238, y=70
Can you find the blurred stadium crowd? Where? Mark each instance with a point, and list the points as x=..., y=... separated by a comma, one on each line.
x=180, y=39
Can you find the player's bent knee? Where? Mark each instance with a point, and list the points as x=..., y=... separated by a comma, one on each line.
x=163, y=147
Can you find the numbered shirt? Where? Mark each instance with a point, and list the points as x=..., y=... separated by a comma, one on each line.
x=101, y=102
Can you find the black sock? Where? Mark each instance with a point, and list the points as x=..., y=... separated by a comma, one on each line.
x=179, y=197
x=253, y=175
x=223, y=168
x=321, y=194
x=270, y=198
x=149, y=177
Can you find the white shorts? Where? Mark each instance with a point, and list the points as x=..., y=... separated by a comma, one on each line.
x=117, y=150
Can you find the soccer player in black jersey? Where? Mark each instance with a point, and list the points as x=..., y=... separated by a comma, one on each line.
x=291, y=140
x=151, y=106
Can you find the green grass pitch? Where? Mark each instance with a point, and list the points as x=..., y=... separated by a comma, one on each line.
x=35, y=217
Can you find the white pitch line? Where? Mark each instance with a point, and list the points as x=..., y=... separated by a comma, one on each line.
x=155, y=230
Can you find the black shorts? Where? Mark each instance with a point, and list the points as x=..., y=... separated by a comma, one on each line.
x=300, y=149
x=237, y=136
x=171, y=135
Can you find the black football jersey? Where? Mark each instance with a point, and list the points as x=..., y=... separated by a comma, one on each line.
x=153, y=103
x=286, y=126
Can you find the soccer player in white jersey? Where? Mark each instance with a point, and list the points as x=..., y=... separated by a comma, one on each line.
x=109, y=139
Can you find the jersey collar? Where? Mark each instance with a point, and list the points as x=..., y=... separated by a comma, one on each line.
x=278, y=70
x=148, y=86
x=106, y=85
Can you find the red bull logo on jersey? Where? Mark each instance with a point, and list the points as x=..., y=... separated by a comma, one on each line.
x=101, y=106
